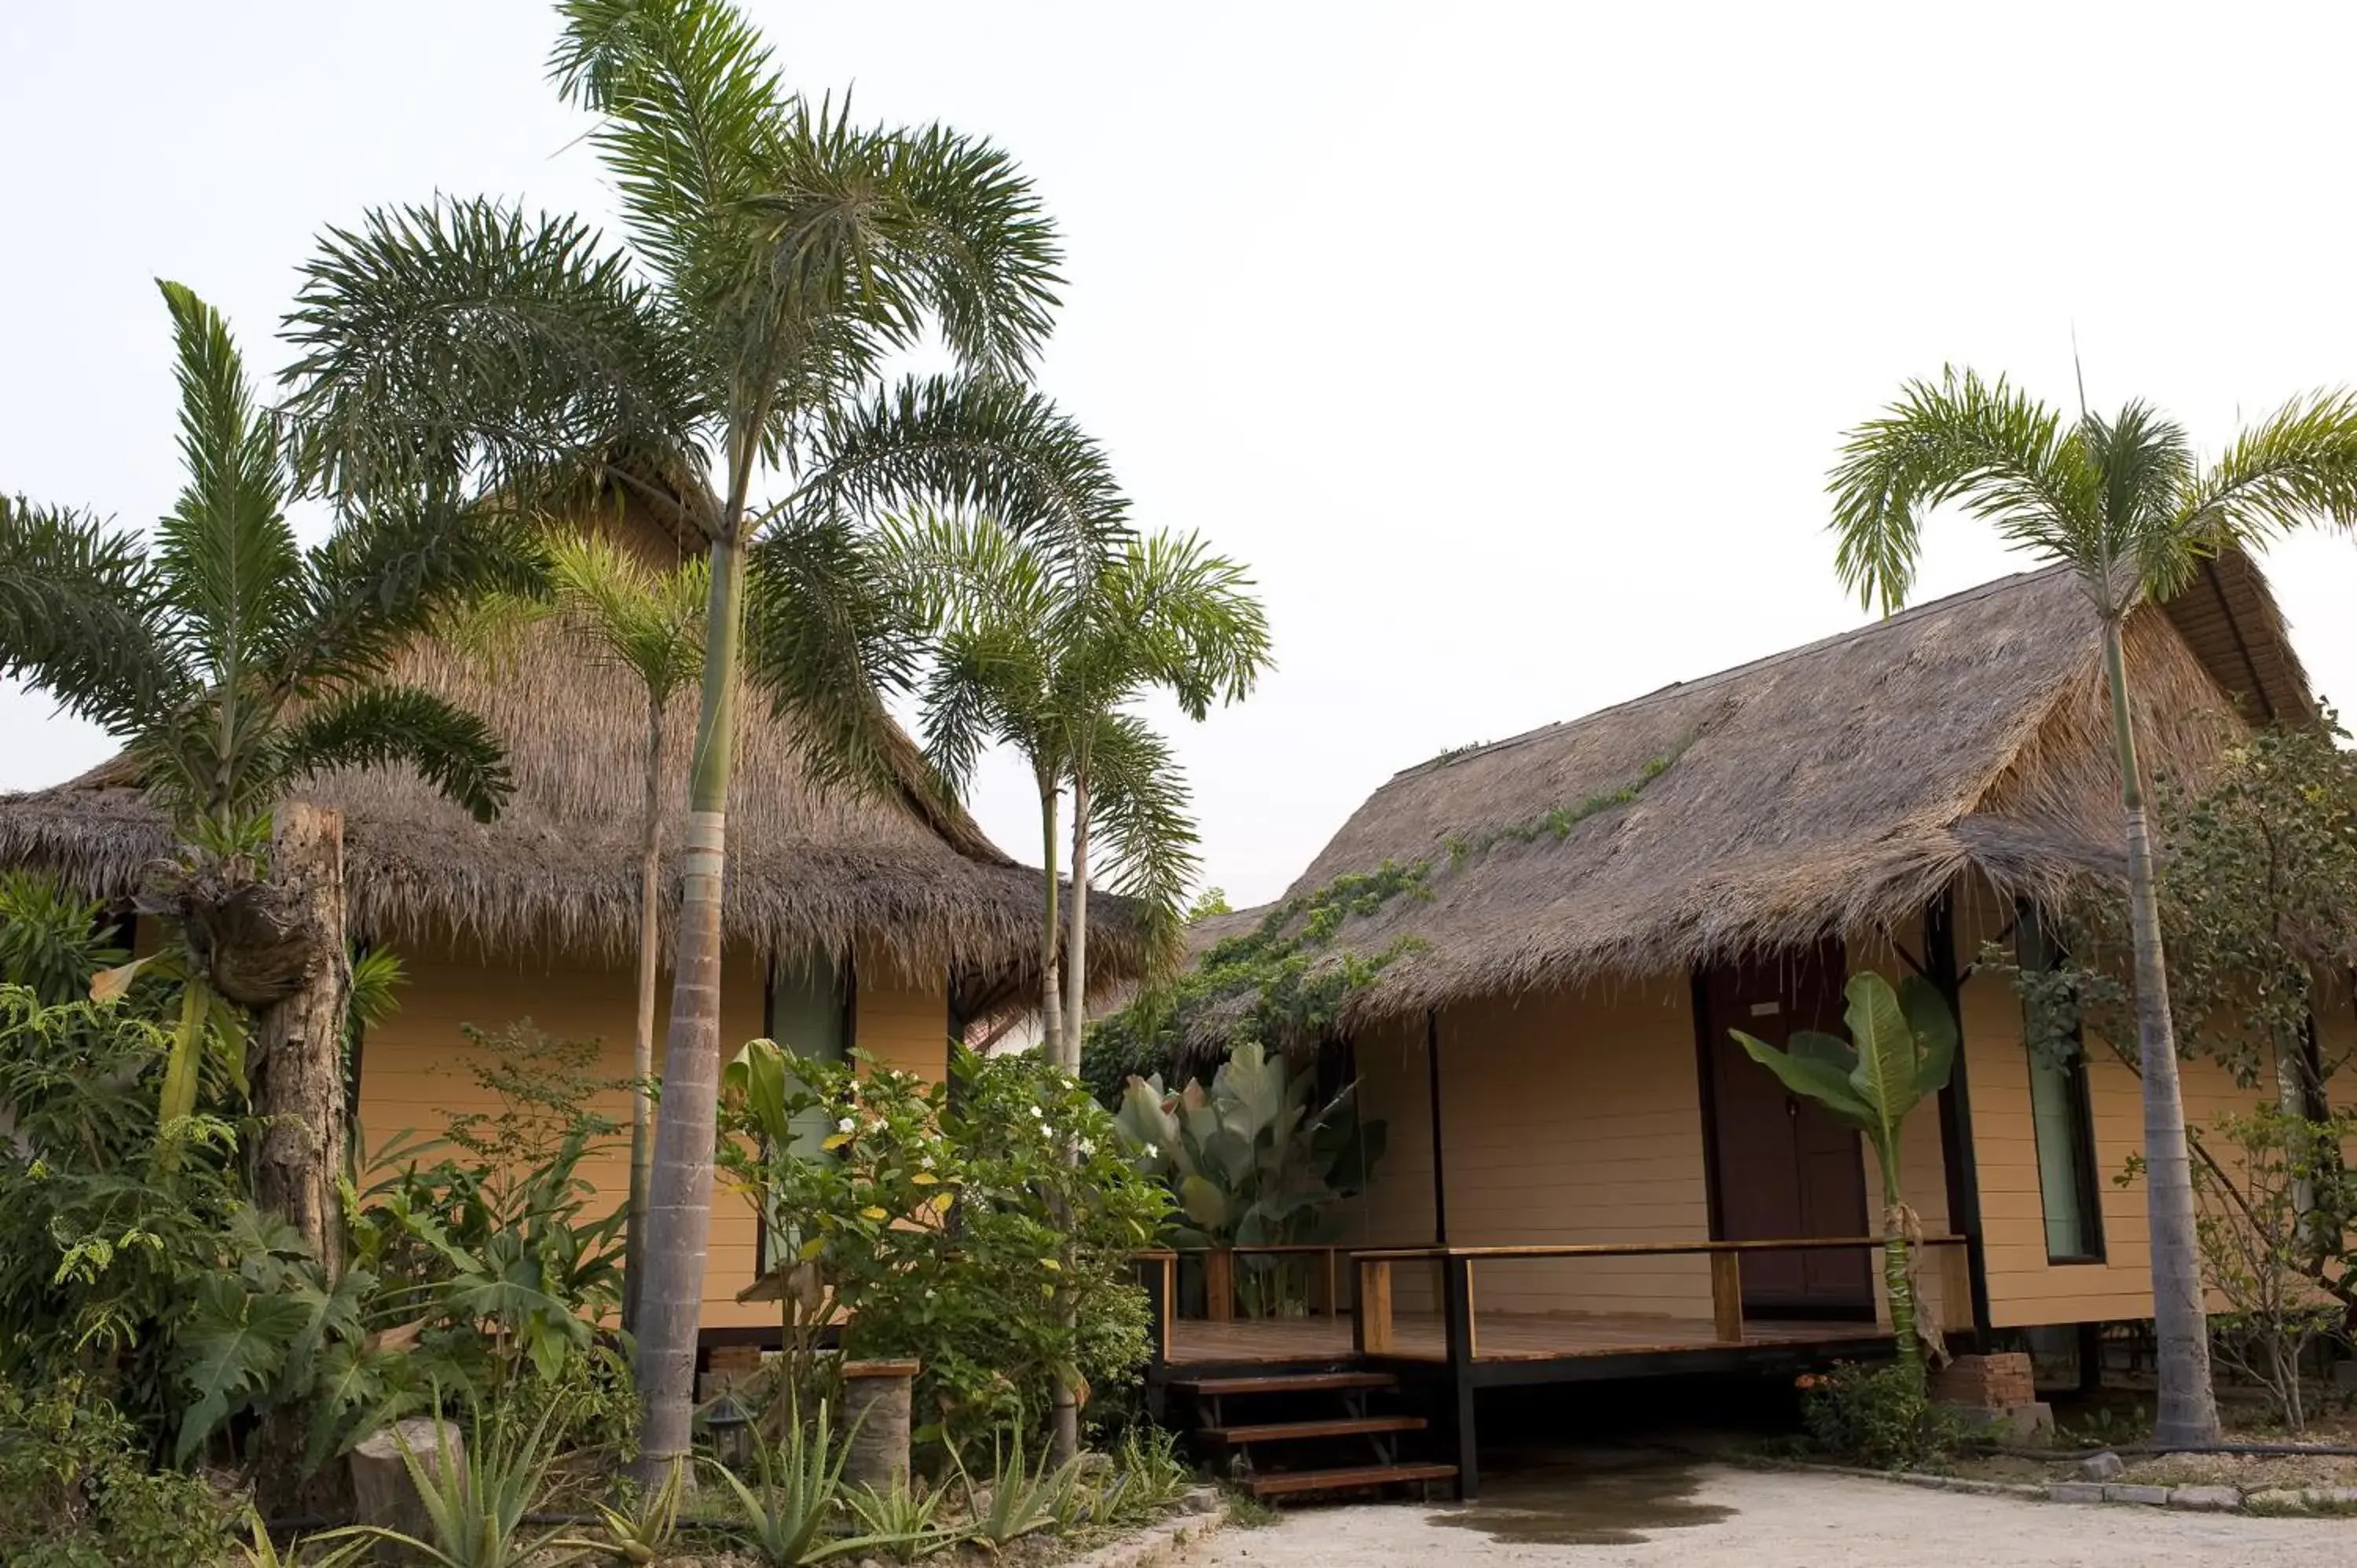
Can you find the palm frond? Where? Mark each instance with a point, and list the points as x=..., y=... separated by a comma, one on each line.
x=464, y=342
x=2007, y=455
x=2298, y=465
x=826, y=638
x=2145, y=465
x=689, y=104
x=448, y=747
x=649, y=621
x=1191, y=617
x=388, y=576
x=1141, y=808
x=225, y=549
x=79, y=607
x=970, y=444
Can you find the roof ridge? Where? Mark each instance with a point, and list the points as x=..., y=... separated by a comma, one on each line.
x=1679, y=688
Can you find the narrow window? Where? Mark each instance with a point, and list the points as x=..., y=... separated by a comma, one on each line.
x=808, y=1012
x=2062, y=1115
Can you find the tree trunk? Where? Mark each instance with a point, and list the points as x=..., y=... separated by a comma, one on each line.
x=642, y=1043
x=2188, y=1406
x=1051, y=1005
x=1076, y=944
x=297, y=1066
x=1065, y=1433
x=679, y=1206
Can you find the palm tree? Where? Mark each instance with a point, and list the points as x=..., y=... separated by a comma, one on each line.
x=232, y=664
x=1045, y=654
x=776, y=255
x=2123, y=503
x=651, y=623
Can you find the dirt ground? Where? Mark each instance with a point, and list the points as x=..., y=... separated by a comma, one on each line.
x=1602, y=1511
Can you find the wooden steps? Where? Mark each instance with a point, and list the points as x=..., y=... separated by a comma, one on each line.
x=1285, y=1383
x=1294, y=1430
x=1355, y=1477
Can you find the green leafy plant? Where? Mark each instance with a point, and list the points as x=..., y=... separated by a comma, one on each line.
x=48, y=939
x=901, y=1516
x=259, y=1551
x=1154, y=1475
x=81, y=1494
x=1902, y=1046
x=1881, y=1417
x=476, y=1502
x=639, y=1528
x=1251, y=1160
x=938, y=1225
x=787, y=1507
x=1021, y=1500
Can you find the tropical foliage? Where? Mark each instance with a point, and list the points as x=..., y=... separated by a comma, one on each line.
x=778, y=256
x=1253, y=1160
x=2123, y=505
x=1901, y=1050
x=945, y=1220
x=1046, y=651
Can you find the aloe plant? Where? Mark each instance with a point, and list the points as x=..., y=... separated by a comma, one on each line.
x=1022, y=1498
x=476, y=1503
x=787, y=1512
x=1902, y=1046
x=1252, y=1161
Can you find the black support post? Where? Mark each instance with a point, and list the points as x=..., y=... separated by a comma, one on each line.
x=1956, y=1153
x=1439, y=1176
x=1457, y=1313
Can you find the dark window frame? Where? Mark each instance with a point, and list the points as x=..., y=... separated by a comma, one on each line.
x=2085, y=1175
x=847, y=984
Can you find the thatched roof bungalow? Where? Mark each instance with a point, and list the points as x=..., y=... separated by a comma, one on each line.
x=882, y=919
x=1574, y=1138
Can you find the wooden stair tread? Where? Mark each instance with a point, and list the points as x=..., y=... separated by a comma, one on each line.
x=1280, y=1483
x=1285, y=1383
x=1283, y=1431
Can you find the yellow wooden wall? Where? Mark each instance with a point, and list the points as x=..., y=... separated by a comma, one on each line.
x=1568, y=1118
x=413, y=1072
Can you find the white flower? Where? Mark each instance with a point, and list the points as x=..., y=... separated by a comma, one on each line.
x=846, y=1125
x=1038, y=1114
x=1088, y=1147
x=1152, y=1152
x=926, y=1162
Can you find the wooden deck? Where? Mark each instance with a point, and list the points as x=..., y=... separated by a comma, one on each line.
x=1498, y=1336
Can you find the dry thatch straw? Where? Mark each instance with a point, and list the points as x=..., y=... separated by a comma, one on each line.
x=904, y=875
x=1831, y=788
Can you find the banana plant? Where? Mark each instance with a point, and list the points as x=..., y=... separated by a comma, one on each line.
x=1253, y=1163
x=1902, y=1046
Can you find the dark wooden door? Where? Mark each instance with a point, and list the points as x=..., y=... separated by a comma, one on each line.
x=1782, y=1165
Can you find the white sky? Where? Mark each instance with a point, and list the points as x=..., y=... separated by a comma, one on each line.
x=1509, y=344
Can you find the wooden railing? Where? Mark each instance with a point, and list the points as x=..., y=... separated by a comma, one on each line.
x=1159, y=1273
x=1375, y=1335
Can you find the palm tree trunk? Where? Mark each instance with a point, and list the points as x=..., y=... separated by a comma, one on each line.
x=2188, y=1406
x=1051, y=1006
x=679, y=1206
x=1065, y=1433
x=1076, y=945
x=1897, y=1275
x=642, y=1043
x=298, y=1062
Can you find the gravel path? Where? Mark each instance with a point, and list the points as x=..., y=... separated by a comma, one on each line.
x=1658, y=1515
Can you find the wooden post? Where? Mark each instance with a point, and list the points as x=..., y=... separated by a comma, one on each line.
x=1373, y=1328
x=1956, y=1302
x=1155, y=1272
x=1457, y=1298
x=1727, y=1297
x=1333, y=1283
x=1220, y=1285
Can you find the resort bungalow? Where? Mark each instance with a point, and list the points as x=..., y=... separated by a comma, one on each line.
x=884, y=923
x=1585, y=1177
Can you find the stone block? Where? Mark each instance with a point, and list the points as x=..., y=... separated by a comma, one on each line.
x=2076, y=1491
x=2143, y=1496
x=2105, y=1466
x=2206, y=1499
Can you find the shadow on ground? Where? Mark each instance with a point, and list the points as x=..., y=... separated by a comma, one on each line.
x=1585, y=1498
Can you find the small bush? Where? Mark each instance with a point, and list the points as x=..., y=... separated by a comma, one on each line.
x=1880, y=1417
x=80, y=1494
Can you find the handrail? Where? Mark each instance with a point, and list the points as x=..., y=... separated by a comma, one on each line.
x=1637, y=1249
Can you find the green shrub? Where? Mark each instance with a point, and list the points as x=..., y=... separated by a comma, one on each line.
x=79, y=1493
x=1881, y=1417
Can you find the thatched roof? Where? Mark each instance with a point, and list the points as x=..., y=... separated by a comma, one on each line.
x=904, y=875
x=1829, y=787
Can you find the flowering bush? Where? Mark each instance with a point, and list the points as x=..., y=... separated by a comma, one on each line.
x=948, y=1222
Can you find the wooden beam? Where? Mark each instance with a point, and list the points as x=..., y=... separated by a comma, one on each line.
x=1726, y=1296
x=1439, y=1176
x=1373, y=1329
x=1220, y=1285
